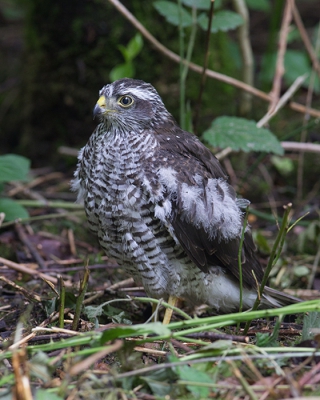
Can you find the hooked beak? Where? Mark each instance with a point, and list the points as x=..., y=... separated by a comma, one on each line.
x=100, y=107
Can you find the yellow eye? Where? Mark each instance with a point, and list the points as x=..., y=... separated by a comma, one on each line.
x=125, y=101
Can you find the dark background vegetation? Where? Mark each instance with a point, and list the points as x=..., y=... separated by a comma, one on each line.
x=55, y=56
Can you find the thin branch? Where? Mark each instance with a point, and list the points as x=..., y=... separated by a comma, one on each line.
x=283, y=100
x=296, y=84
x=197, y=68
x=246, y=53
x=303, y=109
x=205, y=66
x=304, y=131
x=173, y=56
x=305, y=39
x=298, y=146
x=276, y=88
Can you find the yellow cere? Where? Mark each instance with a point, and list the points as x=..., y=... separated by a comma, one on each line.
x=102, y=101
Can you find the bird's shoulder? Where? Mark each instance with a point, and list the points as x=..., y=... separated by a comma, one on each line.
x=199, y=207
x=185, y=149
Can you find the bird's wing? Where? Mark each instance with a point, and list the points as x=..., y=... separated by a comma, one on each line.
x=204, y=213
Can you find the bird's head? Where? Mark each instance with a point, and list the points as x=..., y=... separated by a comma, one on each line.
x=130, y=104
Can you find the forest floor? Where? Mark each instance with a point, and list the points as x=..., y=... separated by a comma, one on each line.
x=73, y=325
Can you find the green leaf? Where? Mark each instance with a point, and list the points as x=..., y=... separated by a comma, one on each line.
x=122, y=71
x=222, y=21
x=42, y=394
x=301, y=270
x=199, y=4
x=13, y=168
x=266, y=340
x=310, y=321
x=241, y=134
x=283, y=164
x=192, y=375
x=135, y=330
x=170, y=11
x=160, y=382
x=134, y=46
x=259, y=5
x=12, y=210
x=296, y=63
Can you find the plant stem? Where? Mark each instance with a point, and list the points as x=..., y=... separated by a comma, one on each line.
x=205, y=66
x=182, y=83
x=245, y=222
x=275, y=253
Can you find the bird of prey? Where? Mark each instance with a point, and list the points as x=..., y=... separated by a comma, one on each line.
x=160, y=204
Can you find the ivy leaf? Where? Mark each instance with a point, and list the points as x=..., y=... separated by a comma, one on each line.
x=13, y=168
x=222, y=21
x=12, y=210
x=241, y=134
x=170, y=11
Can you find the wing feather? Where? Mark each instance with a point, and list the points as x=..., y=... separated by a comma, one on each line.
x=205, y=215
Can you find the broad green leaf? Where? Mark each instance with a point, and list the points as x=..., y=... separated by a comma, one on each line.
x=135, y=330
x=241, y=134
x=170, y=11
x=13, y=168
x=122, y=71
x=12, y=210
x=259, y=5
x=222, y=21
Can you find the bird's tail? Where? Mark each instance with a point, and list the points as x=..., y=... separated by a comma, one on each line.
x=272, y=298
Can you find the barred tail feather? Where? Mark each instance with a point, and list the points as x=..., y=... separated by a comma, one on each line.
x=272, y=298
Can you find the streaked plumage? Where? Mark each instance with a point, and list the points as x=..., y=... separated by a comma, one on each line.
x=160, y=204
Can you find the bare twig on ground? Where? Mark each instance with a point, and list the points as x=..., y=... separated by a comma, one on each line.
x=22, y=268
x=25, y=240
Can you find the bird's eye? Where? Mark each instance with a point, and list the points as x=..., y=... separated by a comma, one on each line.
x=125, y=101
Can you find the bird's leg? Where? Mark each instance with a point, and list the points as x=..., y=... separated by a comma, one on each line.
x=167, y=316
